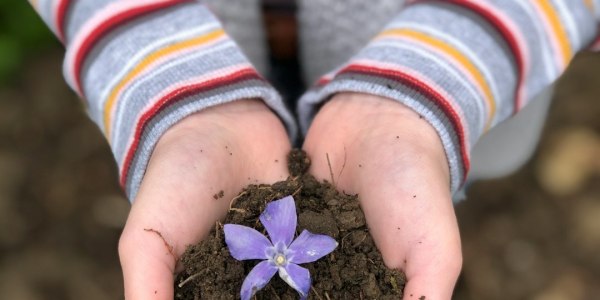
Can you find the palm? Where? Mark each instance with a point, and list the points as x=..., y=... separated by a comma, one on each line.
x=402, y=184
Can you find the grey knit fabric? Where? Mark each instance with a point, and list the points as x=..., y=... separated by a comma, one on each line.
x=332, y=31
x=242, y=19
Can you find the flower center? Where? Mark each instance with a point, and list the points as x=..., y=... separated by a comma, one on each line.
x=279, y=259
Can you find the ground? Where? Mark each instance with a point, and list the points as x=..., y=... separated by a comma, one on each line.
x=533, y=235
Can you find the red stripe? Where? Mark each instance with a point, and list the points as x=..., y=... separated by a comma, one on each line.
x=172, y=98
x=429, y=93
x=322, y=81
x=508, y=36
x=109, y=24
x=60, y=18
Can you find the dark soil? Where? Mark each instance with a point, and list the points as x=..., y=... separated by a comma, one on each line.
x=354, y=270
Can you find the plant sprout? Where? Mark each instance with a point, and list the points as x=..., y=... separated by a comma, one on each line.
x=282, y=253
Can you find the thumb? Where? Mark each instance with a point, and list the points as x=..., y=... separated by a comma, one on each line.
x=432, y=268
x=148, y=263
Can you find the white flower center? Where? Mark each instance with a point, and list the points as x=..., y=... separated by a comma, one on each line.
x=279, y=259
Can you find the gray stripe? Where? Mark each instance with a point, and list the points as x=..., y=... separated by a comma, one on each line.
x=80, y=11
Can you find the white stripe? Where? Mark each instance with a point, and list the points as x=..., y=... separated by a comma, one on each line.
x=171, y=39
x=104, y=14
x=197, y=80
x=569, y=23
x=558, y=59
x=116, y=119
x=481, y=106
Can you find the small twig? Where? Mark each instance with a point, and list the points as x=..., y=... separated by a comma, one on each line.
x=360, y=242
x=274, y=292
x=192, y=277
x=217, y=225
x=343, y=238
x=315, y=291
x=330, y=169
x=240, y=210
x=344, y=165
x=327, y=296
x=394, y=283
x=170, y=248
x=235, y=198
x=297, y=191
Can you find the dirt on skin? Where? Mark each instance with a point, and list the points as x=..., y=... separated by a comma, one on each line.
x=355, y=270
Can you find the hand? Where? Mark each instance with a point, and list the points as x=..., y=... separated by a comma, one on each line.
x=222, y=148
x=394, y=160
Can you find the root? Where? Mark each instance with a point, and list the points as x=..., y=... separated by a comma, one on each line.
x=235, y=198
x=343, y=238
x=192, y=277
x=360, y=242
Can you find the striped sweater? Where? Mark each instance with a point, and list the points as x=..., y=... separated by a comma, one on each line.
x=464, y=65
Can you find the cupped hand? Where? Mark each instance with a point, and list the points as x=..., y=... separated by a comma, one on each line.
x=222, y=148
x=394, y=160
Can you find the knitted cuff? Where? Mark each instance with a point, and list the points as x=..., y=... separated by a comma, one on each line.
x=144, y=65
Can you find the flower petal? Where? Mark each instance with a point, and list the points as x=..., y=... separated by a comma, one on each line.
x=257, y=279
x=309, y=247
x=245, y=242
x=279, y=218
x=297, y=277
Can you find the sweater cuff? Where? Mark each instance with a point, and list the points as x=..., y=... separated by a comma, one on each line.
x=395, y=83
x=142, y=66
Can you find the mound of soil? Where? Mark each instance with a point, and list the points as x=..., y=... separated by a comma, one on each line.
x=355, y=270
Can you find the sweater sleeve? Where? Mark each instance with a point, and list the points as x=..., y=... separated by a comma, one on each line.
x=144, y=65
x=464, y=65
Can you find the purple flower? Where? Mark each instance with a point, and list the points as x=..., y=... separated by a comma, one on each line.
x=282, y=253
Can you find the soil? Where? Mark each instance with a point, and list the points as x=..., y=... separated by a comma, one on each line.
x=354, y=270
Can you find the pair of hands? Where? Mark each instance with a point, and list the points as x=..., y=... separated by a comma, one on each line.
x=394, y=160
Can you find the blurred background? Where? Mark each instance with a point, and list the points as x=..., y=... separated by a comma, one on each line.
x=533, y=235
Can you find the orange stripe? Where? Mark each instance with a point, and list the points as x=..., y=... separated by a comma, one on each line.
x=458, y=56
x=146, y=62
x=558, y=29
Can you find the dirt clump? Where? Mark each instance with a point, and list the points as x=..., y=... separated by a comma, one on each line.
x=354, y=270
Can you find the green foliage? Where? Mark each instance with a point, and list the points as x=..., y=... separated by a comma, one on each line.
x=22, y=33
